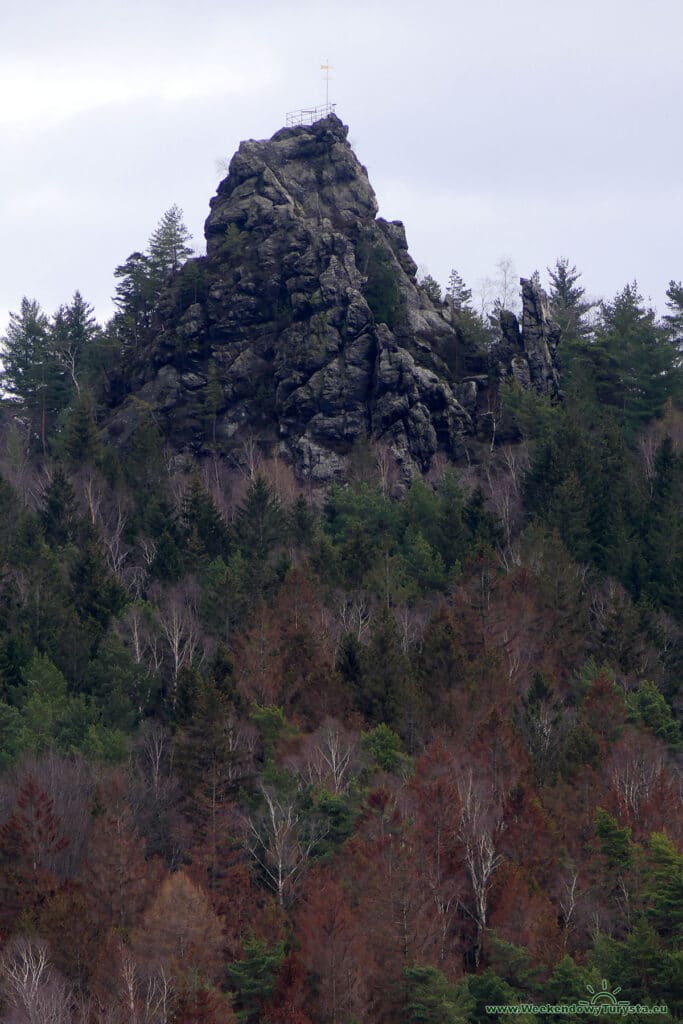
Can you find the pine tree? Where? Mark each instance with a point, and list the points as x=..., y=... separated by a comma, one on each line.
x=253, y=978
x=615, y=842
x=431, y=999
x=384, y=682
x=168, y=246
x=81, y=438
x=567, y=301
x=201, y=516
x=432, y=287
x=135, y=298
x=260, y=523
x=46, y=704
x=73, y=332
x=635, y=365
x=458, y=295
x=31, y=374
x=674, y=319
x=59, y=510
x=664, y=889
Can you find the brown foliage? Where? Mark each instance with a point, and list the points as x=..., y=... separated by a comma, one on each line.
x=179, y=930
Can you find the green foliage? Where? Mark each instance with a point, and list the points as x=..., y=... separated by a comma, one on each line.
x=526, y=413
x=136, y=298
x=97, y=596
x=143, y=275
x=664, y=889
x=59, y=510
x=514, y=965
x=260, y=523
x=674, y=318
x=458, y=295
x=486, y=989
x=384, y=692
x=431, y=999
x=167, y=564
x=649, y=706
x=46, y=704
x=381, y=288
x=31, y=373
x=233, y=243
x=81, y=443
x=272, y=725
x=568, y=304
x=253, y=978
x=14, y=738
x=634, y=365
x=202, y=521
x=401, y=550
x=121, y=688
x=168, y=245
x=74, y=340
x=615, y=842
x=385, y=748
x=432, y=287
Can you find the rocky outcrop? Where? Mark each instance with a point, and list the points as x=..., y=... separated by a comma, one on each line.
x=304, y=325
x=529, y=352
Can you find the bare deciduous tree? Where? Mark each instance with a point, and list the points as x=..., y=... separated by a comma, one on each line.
x=329, y=757
x=179, y=626
x=33, y=990
x=478, y=829
x=281, y=840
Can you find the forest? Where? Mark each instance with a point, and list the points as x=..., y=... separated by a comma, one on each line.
x=372, y=753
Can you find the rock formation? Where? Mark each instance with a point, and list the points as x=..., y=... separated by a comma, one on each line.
x=530, y=351
x=304, y=326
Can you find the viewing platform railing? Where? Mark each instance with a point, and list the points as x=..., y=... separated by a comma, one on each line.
x=309, y=115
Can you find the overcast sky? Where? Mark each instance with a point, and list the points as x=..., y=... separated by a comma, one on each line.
x=527, y=129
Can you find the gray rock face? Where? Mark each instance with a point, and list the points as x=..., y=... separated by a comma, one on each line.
x=529, y=352
x=306, y=327
x=540, y=338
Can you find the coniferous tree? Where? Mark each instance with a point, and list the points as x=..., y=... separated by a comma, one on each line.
x=31, y=374
x=260, y=523
x=473, y=337
x=458, y=295
x=168, y=245
x=674, y=319
x=74, y=332
x=568, y=302
x=201, y=516
x=81, y=439
x=253, y=978
x=59, y=510
x=635, y=365
x=135, y=298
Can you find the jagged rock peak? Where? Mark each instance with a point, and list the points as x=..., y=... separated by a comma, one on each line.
x=304, y=320
x=530, y=349
x=303, y=172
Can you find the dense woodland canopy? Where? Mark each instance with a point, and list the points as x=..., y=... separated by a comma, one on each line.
x=369, y=754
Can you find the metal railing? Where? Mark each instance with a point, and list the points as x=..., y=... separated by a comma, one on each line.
x=309, y=115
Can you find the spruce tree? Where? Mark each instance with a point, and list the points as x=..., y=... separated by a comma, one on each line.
x=637, y=367
x=168, y=246
x=31, y=374
x=567, y=300
x=260, y=523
